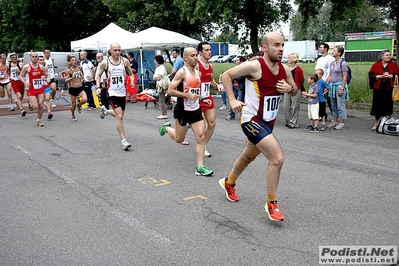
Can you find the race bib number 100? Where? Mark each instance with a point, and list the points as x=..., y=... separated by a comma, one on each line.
x=271, y=105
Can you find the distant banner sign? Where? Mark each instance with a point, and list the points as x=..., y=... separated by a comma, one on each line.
x=370, y=35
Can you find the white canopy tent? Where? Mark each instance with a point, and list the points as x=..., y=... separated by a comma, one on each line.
x=103, y=39
x=155, y=38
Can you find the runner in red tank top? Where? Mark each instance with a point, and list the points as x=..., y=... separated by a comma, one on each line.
x=35, y=76
x=207, y=81
x=267, y=80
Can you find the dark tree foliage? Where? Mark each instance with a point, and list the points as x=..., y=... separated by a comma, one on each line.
x=37, y=24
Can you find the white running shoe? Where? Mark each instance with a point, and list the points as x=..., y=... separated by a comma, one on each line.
x=125, y=145
x=103, y=112
x=185, y=142
x=53, y=105
x=207, y=153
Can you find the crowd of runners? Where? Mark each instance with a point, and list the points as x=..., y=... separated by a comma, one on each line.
x=267, y=79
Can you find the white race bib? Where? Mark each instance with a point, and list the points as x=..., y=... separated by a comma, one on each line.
x=191, y=105
x=38, y=84
x=271, y=105
x=205, y=89
x=117, y=82
x=14, y=74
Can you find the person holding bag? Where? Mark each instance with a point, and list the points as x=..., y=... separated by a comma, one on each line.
x=162, y=80
x=381, y=79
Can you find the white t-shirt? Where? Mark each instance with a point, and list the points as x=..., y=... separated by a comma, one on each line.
x=87, y=67
x=324, y=63
x=50, y=67
x=161, y=70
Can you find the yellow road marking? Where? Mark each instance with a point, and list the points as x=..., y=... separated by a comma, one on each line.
x=164, y=182
x=195, y=197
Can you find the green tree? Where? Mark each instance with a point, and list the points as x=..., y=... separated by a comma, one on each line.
x=227, y=37
x=249, y=18
x=344, y=10
x=36, y=24
x=168, y=14
x=252, y=18
x=323, y=28
x=391, y=7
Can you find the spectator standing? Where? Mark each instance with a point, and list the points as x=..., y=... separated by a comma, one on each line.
x=162, y=80
x=381, y=76
x=292, y=102
x=103, y=83
x=132, y=90
x=89, y=72
x=178, y=63
x=238, y=88
x=224, y=98
x=339, y=88
x=324, y=62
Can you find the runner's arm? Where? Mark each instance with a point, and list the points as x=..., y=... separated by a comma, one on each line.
x=288, y=85
x=249, y=69
x=172, y=90
x=129, y=71
x=24, y=71
x=100, y=71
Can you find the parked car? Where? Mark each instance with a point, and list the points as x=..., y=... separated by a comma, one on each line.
x=307, y=59
x=226, y=58
x=214, y=58
x=233, y=60
x=284, y=59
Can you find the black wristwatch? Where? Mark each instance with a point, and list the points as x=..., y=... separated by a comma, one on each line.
x=292, y=90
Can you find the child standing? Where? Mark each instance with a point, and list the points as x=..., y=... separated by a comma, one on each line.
x=324, y=87
x=313, y=103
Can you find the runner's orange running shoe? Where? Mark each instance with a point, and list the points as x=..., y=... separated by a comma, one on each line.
x=273, y=211
x=230, y=190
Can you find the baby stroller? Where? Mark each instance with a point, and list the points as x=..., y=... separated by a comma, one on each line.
x=151, y=95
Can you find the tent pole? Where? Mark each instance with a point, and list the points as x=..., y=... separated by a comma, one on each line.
x=141, y=68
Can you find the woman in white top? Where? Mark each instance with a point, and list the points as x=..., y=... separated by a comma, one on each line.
x=161, y=77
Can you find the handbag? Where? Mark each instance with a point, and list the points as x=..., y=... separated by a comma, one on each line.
x=395, y=91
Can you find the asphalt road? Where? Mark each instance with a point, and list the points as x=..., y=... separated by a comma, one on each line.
x=71, y=196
